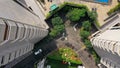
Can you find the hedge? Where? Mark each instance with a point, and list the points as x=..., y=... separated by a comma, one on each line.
x=58, y=27
x=116, y=8
x=63, y=5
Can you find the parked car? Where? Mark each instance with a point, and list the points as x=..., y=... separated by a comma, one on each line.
x=38, y=52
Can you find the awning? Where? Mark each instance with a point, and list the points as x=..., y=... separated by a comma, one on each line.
x=53, y=7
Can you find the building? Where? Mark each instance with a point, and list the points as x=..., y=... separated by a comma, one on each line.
x=106, y=42
x=20, y=27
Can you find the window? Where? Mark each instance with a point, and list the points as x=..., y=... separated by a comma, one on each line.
x=114, y=47
x=2, y=31
x=9, y=56
x=118, y=24
x=26, y=49
x=19, y=52
x=30, y=8
x=16, y=31
x=2, y=61
x=115, y=28
x=15, y=54
x=23, y=4
x=24, y=30
x=6, y=31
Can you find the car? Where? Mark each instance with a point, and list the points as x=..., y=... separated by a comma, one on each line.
x=38, y=52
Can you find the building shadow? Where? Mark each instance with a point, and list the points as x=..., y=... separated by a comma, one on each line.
x=29, y=61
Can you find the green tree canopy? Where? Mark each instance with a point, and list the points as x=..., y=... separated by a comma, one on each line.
x=88, y=44
x=84, y=34
x=57, y=21
x=92, y=15
x=76, y=14
x=53, y=33
x=86, y=25
x=58, y=27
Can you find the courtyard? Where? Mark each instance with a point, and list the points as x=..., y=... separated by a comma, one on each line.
x=63, y=57
x=102, y=9
x=65, y=32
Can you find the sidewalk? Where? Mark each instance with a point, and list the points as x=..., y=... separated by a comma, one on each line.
x=78, y=47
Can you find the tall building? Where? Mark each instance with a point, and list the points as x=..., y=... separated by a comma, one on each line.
x=106, y=42
x=21, y=27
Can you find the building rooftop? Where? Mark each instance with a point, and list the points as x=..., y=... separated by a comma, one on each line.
x=111, y=35
x=111, y=21
x=9, y=9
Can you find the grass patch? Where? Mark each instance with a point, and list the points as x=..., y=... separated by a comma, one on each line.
x=116, y=8
x=59, y=64
x=65, y=54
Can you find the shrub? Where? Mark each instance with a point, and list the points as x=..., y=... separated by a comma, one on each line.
x=96, y=57
x=60, y=55
x=57, y=21
x=80, y=6
x=57, y=30
x=67, y=8
x=92, y=15
x=116, y=8
x=86, y=25
x=88, y=44
x=84, y=34
x=76, y=14
x=93, y=18
x=53, y=33
x=58, y=27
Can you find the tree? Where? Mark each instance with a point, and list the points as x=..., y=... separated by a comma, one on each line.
x=57, y=21
x=116, y=8
x=67, y=8
x=92, y=15
x=86, y=25
x=76, y=14
x=59, y=28
x=84, y=34
x=53, y=33
x=88, y=44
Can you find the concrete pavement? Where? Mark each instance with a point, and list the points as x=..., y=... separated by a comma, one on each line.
x=78, y=46
x=75, y=43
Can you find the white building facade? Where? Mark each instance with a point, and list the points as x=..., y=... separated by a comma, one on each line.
x=20, y=29
x=107, y=43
